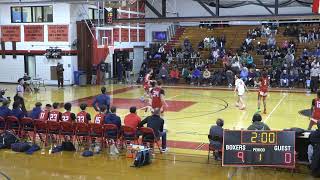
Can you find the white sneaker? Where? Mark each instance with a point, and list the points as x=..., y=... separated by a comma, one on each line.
x=164, y=150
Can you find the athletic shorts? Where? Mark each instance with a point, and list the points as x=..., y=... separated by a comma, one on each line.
x=261, y=93
x=241, y=92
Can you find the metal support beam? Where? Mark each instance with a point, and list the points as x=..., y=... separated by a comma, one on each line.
x=261, y=3
x=164, y=8
x=217, y=7
x=206, y=8
x=153, y=9
x=276, y=7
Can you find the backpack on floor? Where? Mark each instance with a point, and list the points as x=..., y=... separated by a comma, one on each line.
x=142, y=158
x=68, y=146
x=7, y=138
x=20, y=147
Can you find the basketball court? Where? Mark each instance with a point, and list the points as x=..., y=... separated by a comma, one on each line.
x=191, y=112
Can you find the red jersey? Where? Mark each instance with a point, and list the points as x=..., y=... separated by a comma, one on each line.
x=66, y=116
x=264, y=85
x=156, y=97
x=82, y=117
x=44, y=115
x=146, y=82
x=316, y=109
x=99, y=118
x=55, y=115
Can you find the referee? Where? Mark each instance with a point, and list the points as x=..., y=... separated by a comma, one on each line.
x=19, y=95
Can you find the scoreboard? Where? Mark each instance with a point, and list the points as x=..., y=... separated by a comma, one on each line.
x=258, y=148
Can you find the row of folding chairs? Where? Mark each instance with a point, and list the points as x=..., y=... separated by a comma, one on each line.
x=82, y=133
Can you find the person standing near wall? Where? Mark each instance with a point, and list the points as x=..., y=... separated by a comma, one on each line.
x=103, y=69
x=94, y=75
x=128, y=69
x=19, y=95
x=60, y=75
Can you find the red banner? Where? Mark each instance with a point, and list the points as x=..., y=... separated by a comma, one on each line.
x=33, y=33
x=141, y=6
x=142, y=35
x=58, y=33
x=124, y=35
x=133, y=35
x=116, y=35
x=10, y=33
x=123, y=15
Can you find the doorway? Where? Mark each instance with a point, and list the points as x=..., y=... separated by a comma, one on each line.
x=30, y=66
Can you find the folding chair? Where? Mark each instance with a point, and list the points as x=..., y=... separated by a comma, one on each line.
x=40, y=128
x=148, y=136
x=129, y=134
x=96, y=131
x=12, y=123
x=82, y=130
x=53, y=129
x=111, y=132
x=2, y=124
x=67, y=129
x=211, y=148
x=26, y=126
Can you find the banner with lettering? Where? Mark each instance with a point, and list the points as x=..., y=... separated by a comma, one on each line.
x=58, y=33
x=124, y=35
x=10, y=33
x=133, y=35
x=142, y=35
x=33, y=33
x=116, y=35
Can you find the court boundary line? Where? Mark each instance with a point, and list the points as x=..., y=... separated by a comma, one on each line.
x=276, y=107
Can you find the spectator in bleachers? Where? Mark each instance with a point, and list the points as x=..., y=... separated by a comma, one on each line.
x=186, y=75
x=16, y=110
x=196, y=76
x=217, y=78
x=229, y=77
x=163, y=74
x=267, y=59
x=215, y=56
x=4, y=109
x=271, y=42
x=174, y=75
x=206, y=76
x=35, y=113
x=257, y=123
x=132, y=120
x=244, y=74
x=226, y=61
x=251, y=77
x=112, y=118
x=317, y=52
x=215, y=137
x=284, y=79
x=314, y=74
x=249, y=61
x=201, y=45
x=289, y=58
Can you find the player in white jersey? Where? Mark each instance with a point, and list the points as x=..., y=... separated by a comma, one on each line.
x=240, y=88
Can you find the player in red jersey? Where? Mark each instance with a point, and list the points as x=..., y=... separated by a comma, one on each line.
x=315, y=111
x=68, y=115
x=55, y=114
x=263, y=92
x=83, y=116
x=44, y=115
x=99, y=118
x=157, y=95
x=146, y=84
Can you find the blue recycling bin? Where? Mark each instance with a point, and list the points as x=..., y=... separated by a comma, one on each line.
x=77, y=75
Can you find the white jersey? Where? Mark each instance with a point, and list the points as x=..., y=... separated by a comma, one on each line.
x=240, y=86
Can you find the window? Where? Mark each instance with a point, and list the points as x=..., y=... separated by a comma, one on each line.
x=16, y=14
x=28, y=14
x=94, y=14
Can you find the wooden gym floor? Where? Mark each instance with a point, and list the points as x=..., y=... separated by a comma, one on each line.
x=190, y=114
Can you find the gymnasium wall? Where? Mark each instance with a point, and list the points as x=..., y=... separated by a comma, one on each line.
x=63, y=14
x=187, y=8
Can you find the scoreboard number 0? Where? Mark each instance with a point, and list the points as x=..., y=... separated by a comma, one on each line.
x=287, y=158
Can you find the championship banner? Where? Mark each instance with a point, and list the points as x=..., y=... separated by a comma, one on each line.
x=133, y=35
x=124, y=35
x=58, y=33
x=315, y=6
x=116, y=35
x=142, y=35
x=10, y=33
x=33, y=33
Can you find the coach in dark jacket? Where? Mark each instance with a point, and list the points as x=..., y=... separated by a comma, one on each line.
x=102, y=100
x=156, y=123
x=112, y=118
